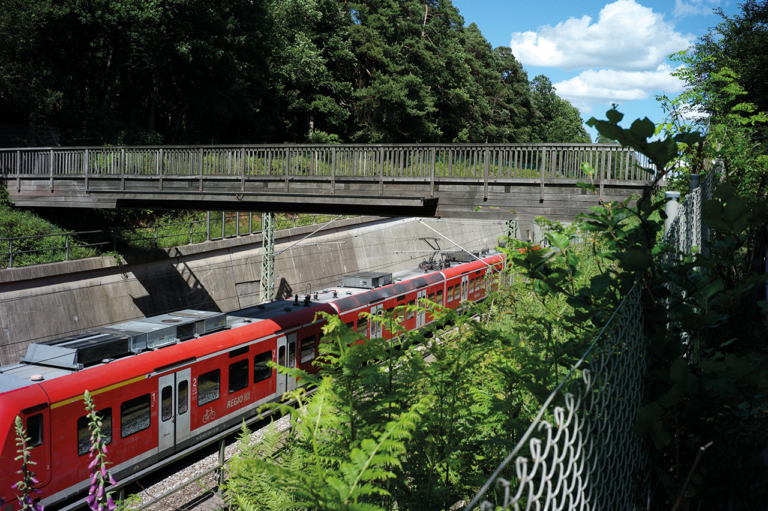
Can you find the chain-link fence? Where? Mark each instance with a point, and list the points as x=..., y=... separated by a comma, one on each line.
x=580, y=452
x=687, y=231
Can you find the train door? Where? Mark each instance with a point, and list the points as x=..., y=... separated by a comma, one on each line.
x=166, y=430
x=282, y=347
x=291, y=381
x=421, y=313
x=464, y=287
x=174, y=425
x=376, y=326
x=37, y=421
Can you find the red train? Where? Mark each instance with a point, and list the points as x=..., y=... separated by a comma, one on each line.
x=167, y=382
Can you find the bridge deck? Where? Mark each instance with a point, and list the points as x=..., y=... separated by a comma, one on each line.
x=500, y=181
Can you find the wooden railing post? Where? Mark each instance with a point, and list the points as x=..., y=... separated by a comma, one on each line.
x=51, y=168
x=122, y=168
x=18, y=171
x=432, y=173
x=486, y=163
x=333, y=170
x=242, y=170
x=85, y=169
x=542, y=168
x=381, y=171
x=200, y=165
x=161, y=169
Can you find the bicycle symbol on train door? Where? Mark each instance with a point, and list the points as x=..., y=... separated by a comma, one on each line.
x=209, y=415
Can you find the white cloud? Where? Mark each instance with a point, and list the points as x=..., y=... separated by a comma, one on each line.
x=611, y=86
x=694, y=7
x=626, y=36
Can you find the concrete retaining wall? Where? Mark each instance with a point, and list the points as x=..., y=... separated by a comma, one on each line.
x=42, y=302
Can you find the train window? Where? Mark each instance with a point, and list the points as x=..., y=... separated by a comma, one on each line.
x=411, y=313
x=351, y=325
x=390, y=311
x=260, y=370
x=208, y=387
x=431, y=297
x=135, y=415
x=449, y=295
x=291, y=354
x=362, y=326
x=166, y=403
x=183, y=397
x=35, y=430
x=308, y=349
x=238, y=375
x=238, y=352
x=84, y=434
x=439, y=297
x=281, y=356
x=401, y=298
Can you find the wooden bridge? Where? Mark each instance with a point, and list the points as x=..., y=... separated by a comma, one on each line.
x=498, y=181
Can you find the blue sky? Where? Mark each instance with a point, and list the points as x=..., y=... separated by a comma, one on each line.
x=599, y=52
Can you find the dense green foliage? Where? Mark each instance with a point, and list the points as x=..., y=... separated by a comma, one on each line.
x=190, y=71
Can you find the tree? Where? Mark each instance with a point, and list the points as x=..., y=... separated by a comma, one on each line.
x=554, y=119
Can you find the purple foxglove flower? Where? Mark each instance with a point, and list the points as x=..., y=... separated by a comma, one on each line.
x=112, y=480
x=95, y=506
x=103, y=471
x=110, y=504
x=38, y=492
x=104, y=449
x=100, y=424
x=94, y=478
x=100, y=492
x=90, y=499
x=14, y=486
x=34, y=480
x=93, y=463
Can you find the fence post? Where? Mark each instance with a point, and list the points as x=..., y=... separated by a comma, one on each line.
x=114, y=241
x=200, y=169
x=155, y=235
x=207, y=225
x=670, y=208
x=223, y=224
x=51, y=169
x=18, y=171
x=85, y=170
x=191, y=232
x=542, y=167
x=66, y=246
x=10, y=253
x=160, y=169
x=237, y=224
x=250, y=222
x=333, y=170
x=242, y=178
x=222, y=454
x=487, y=157
x=122, y=169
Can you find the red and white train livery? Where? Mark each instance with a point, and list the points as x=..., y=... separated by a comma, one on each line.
x=165, y=383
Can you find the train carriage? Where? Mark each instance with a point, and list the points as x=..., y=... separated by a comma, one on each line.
x=165, y=383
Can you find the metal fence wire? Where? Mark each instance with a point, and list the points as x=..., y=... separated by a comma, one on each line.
x=580, y=452
x=688, y=230
x=583, y=454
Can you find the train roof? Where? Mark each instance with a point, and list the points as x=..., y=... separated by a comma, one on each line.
x=163, y=339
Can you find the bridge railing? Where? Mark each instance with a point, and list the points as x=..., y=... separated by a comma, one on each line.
x=365, y=161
